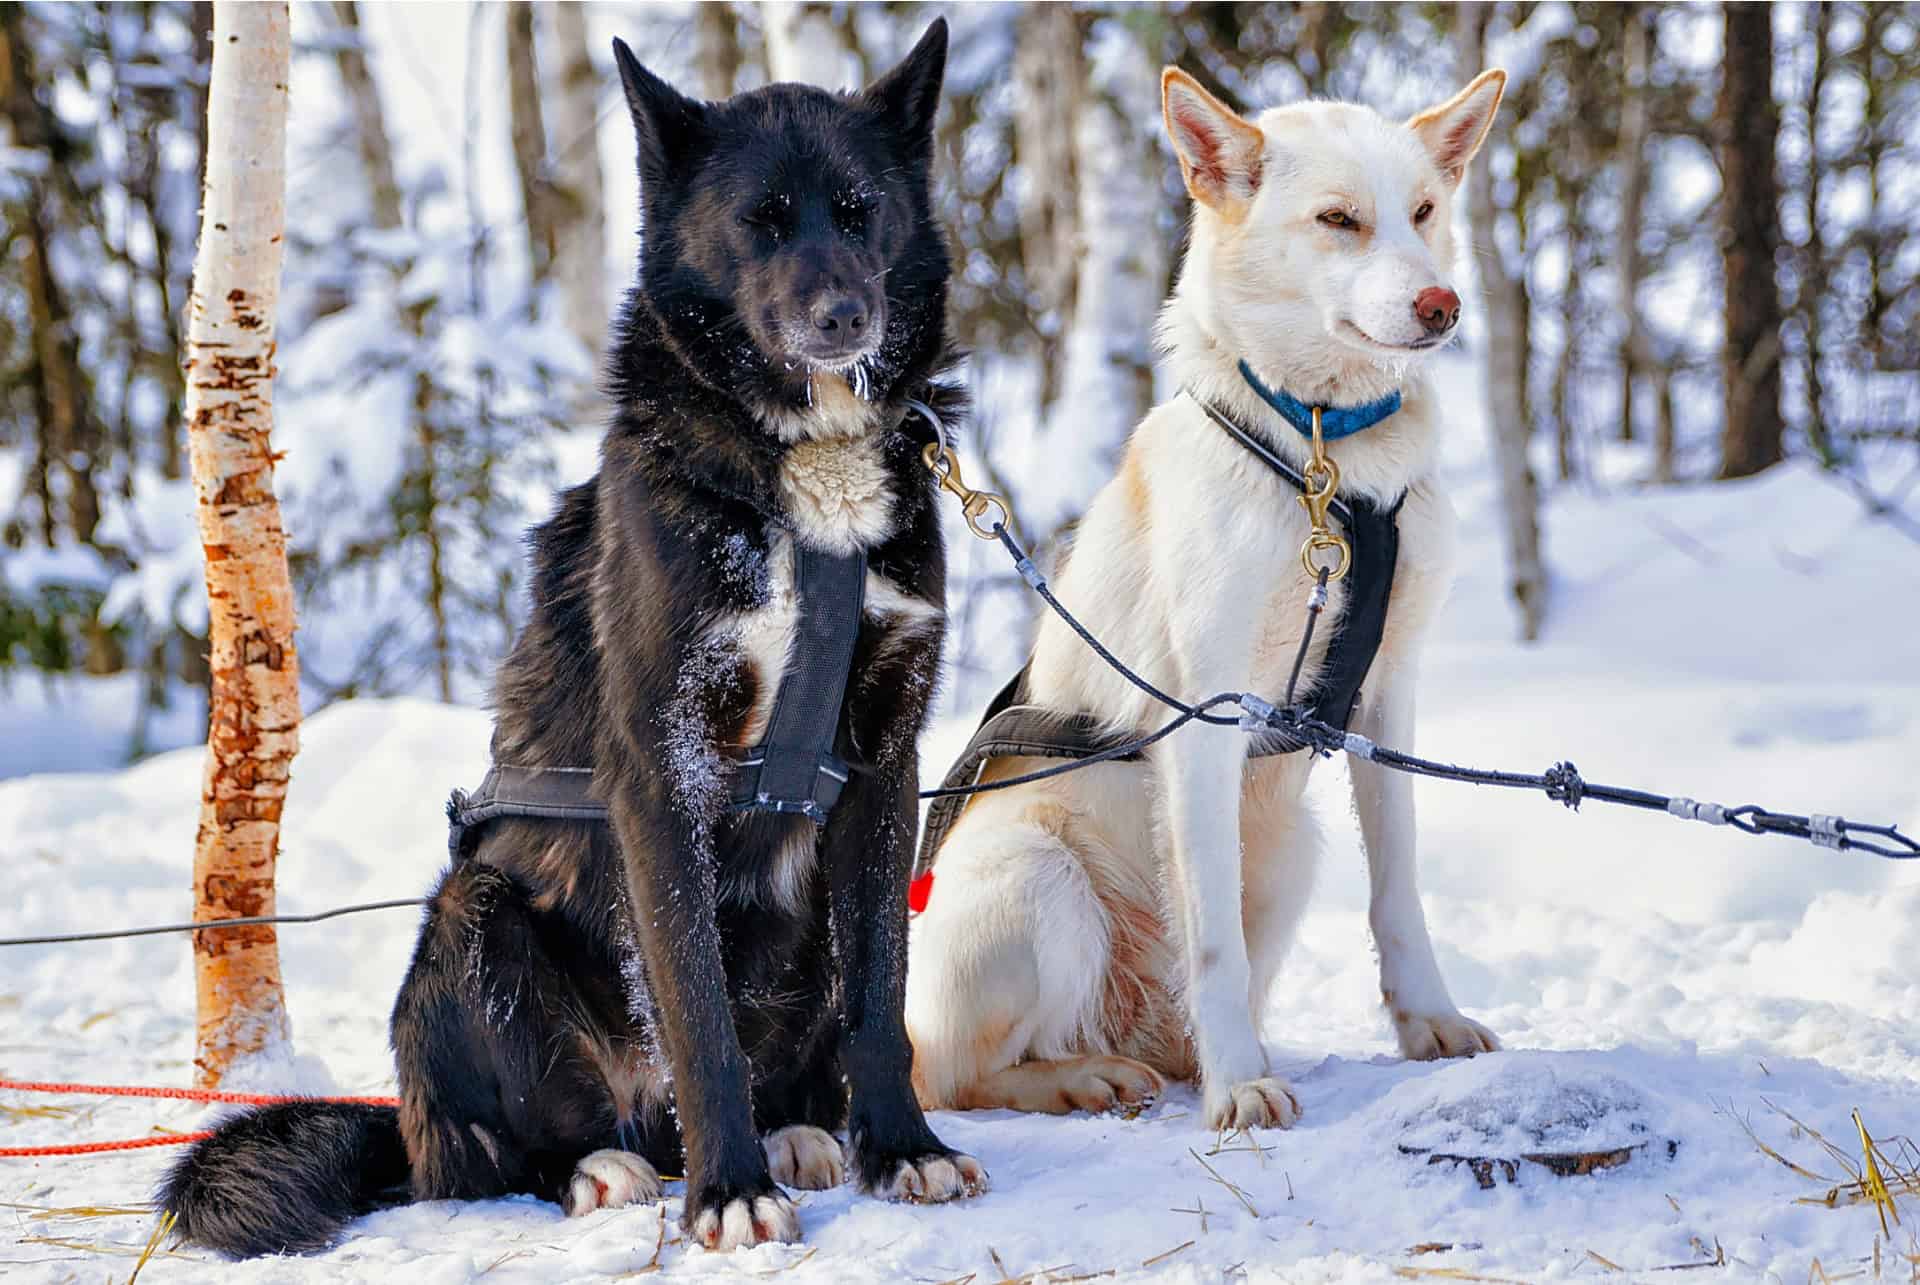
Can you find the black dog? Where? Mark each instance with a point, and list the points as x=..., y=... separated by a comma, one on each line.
x=586, y=999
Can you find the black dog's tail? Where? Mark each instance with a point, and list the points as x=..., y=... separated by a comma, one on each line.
x=285, y=1179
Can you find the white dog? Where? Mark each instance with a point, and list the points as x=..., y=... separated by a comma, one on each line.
x=1090, y=934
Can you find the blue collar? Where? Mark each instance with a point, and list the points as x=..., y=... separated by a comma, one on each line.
x=1335, y=421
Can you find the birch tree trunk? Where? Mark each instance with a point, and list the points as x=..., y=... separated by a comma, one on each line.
x=1123, y=256
x=579, y=237
x=254, y=705
x=1506, y=362
x=811, y=43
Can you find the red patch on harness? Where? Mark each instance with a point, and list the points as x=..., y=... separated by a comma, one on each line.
x=919, y=891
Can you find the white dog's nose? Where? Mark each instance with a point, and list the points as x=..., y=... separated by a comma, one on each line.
x=1438, y=309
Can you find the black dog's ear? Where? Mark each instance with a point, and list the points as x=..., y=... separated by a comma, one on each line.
x=910, y=93
x=666, y=120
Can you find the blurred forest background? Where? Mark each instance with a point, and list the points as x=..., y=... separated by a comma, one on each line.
x=1697, y=233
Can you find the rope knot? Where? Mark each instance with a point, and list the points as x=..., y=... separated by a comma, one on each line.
x=1563, y=784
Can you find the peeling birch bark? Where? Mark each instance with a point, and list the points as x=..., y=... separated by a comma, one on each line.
x=254, y=705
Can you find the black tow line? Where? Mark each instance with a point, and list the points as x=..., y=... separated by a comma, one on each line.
x=1562, y=782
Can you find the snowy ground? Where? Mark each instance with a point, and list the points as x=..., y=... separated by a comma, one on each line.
x=1659, y=982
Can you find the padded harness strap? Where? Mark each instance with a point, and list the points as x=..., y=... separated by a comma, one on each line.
x=793, y=769
x=1012, y=728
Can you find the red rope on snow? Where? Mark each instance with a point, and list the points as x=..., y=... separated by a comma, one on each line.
x=89, y=1148
x=142, y=1091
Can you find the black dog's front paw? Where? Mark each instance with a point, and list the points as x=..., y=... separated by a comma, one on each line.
x=723, y=1220
x=924, y=1179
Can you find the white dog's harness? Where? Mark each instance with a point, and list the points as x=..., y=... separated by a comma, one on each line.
x=1015, y=728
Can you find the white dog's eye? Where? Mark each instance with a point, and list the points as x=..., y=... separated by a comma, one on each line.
x=1339, y=219
x=1420, y=215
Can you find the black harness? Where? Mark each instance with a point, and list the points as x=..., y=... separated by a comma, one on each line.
x=1014, y=728
x=792, y=769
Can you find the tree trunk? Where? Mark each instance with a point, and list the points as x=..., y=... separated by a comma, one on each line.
x=1506, y=361
x=255, y=700
x=529, y=138
x=812, y=43
x=1746, y=123
x=716, y=48
x=69, y=437
x=1048, y=76
x=580, y=239
x=1636, y=349
x=1815, y=280
x=370, y=134
x=1123, y=257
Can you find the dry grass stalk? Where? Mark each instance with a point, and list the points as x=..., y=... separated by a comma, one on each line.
x=45, y=1213
x=1199, y=1209
x=116, y=1249
x=1746, y=1126
x=1163, y=1257
x=1719, y=1259
x=507, y=1257
x=1605, y=1262
x=1247, y=1140
x=787, y=1267
x=1213, y=1173
x=162, y=1228
x=1876, y=1186
x=1452, y=1274
x=659, y=1243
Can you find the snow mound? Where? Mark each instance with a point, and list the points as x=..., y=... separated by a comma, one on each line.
x=1518, y=1104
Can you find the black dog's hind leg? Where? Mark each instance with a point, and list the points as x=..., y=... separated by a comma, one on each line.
x=496, y=1042
x=799, y=1094
x=868, y=845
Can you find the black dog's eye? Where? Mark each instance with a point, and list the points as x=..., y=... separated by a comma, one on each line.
x=773, y=215
x=1424, y=212
x=850, y=211
x=1339, y=219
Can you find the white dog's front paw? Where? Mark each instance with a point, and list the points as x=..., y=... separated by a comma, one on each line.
x=1265, y=1103
x=609, y=1180
x=1426, y=1037
x=802, y=1156
x=747, y=1221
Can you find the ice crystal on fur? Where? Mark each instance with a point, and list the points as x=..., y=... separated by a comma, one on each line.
x=743, y=567
x=694, y=761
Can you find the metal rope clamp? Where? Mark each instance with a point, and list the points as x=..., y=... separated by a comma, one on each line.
x=1323, y=482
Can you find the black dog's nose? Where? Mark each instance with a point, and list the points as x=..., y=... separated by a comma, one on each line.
x=839, y=315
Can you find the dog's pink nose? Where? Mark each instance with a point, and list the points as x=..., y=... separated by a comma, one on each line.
x=1438, y=309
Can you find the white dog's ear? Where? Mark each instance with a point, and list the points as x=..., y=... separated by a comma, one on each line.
x=1219, y=152
x=1454, y=130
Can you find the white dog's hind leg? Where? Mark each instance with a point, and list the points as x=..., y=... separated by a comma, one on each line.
x=1007, y=962
x=1424, y=1017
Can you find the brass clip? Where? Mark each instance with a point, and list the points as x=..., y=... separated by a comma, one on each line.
x=1323, y=483
x=945, y=467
